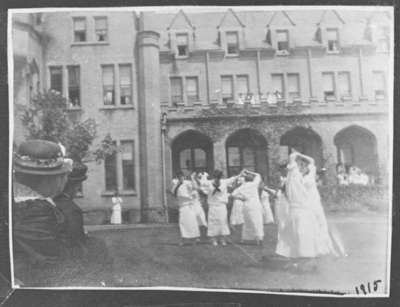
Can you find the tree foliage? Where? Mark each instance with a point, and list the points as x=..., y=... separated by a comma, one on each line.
x=48, y=118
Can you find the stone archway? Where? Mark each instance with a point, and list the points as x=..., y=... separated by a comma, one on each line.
x=246, y=148
x=356, y=146
x=304, y=140
x=192, y=151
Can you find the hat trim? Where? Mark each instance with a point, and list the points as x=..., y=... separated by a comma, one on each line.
x=61, y=170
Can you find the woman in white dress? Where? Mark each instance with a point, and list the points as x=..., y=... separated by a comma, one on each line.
x=267, y=214
x=116, y=216
x=236, y=218
x=253, y=228
x=198, y=208
x=217, y=198
x=184, y=191
x=302, y=220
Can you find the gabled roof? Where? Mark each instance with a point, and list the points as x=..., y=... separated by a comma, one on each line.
x=277, y=15
x=181, y=15
x=232, y=15
x=334, y=13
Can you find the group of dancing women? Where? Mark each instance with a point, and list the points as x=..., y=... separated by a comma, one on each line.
x=303, y=231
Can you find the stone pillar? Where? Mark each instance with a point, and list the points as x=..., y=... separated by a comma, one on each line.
x=220, y=156
x=274, y=160
x=329, y=152
x=149, y=123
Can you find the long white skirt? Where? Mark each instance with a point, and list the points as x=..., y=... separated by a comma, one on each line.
x=267, y=214
x=217, y=221
x=237, y=213
x=253, y=228
x=188, y=225
x=200, y=215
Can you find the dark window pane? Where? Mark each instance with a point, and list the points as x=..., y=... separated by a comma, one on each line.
x=108, y=85
x=128, y=170
x=182, y=50
x=56, y=79
x=74, y=85
x=111, y=172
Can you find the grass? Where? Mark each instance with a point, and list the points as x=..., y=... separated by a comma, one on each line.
x=152, y=257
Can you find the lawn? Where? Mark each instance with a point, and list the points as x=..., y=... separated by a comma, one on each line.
x=152, y=257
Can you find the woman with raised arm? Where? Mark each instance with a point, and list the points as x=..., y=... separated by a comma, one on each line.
x=302, y=220
x=217, y=199
x=253, y=227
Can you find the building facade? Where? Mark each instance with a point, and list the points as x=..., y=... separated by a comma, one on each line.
x=217, y=90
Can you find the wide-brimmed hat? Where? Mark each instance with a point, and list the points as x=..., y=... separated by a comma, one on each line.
x=40, y=157
x=78, y=172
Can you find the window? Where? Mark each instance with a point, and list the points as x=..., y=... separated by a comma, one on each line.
x=232, y=43
x=332, y=40
x=80, y=29
x=242, y=82
x=128, y=165
x=125, y=84
x=379, y=85
x=277, y=86
x=383, y=39
x=293, y=86
x=108, y=85
x=56, y=79
x=282, y=39
x=176, y=90
x=328, y=86
x=100, y=25
x=182, y=44
x=192, y=159
x=344, y=85
x=110, y=164
x=192, y=89
x=240, y=158
x=227, y=88
x=74, y=93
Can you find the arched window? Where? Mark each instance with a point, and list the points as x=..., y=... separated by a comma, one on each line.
x=356, y=146
x=247, y=149
x=192, y=151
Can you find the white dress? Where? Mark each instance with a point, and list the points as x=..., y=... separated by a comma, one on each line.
x=188, y=225
x=198, y=208
x=302, y=227
x=325, y=244
x=116, y=210
x=217, y=206
x=268, y=217
x=237, y=212
x=253, y=228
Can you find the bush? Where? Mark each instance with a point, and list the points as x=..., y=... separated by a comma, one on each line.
x=354, y=197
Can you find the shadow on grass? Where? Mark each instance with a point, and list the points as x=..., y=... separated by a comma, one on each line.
x=88, y=266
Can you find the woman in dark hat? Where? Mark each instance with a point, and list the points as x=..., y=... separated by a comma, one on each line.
x=40, y=173
x=71, y=230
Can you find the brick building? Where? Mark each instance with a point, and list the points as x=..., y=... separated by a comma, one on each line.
x=223, y=89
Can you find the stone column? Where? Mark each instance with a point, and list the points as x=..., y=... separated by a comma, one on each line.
x=220, y=156
x=274, y=160
x=149, y=123
x=329, y=151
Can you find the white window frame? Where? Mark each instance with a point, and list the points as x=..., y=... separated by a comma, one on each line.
x=76, y=18
x=106, y=29
x=332, y=29
x=227, y=53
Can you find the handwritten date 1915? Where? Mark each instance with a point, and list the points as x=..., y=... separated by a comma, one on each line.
x=368, y=288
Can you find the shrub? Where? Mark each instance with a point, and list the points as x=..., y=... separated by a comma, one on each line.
x=354, y=197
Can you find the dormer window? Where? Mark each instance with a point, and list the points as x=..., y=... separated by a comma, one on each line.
x=232, y=43
x=332, y=40
x=282, y=39
x=182, y=44
x=80, y=29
